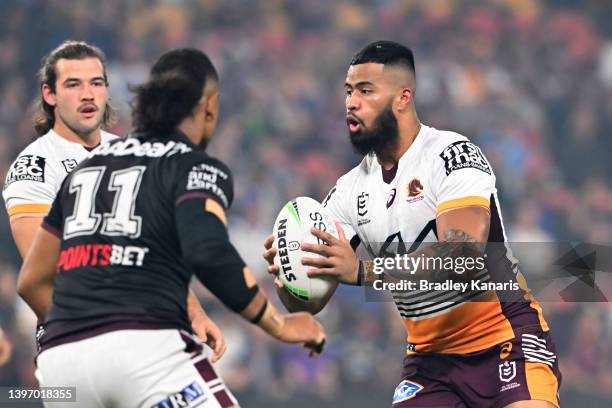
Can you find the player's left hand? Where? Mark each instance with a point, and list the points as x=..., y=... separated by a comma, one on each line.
x=338, y=258
x=210, y=334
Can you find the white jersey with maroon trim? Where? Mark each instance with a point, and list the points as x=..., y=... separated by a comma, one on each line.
x=36, y=175
x=394, y=211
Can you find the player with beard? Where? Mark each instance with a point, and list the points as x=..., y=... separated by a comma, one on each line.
x=417, y=185
x=128, y=229
x=381, y=137
x=72, y=111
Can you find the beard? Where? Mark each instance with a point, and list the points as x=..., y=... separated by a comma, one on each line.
x=382, y=136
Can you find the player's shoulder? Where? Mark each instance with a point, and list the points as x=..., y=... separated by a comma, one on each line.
x=452, y=151
x=33, y=163
x=436, y=140
x=32, y=177
x=345, y=185
x=199, y=159
x=41, y=146
x=350, y=178
x=201, y=168
x=208, y=175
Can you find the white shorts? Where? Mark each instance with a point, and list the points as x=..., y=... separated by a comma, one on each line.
x=134, y=368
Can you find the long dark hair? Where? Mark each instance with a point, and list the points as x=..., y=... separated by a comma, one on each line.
x=172, y=92
x=72, y=50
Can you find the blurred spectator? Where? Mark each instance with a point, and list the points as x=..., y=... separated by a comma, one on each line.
x=530, y=81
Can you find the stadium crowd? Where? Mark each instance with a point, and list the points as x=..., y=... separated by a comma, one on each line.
x=529, y=81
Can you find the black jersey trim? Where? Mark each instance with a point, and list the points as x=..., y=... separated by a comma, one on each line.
x=51, y=229
x=355, y=241
x=430, y=226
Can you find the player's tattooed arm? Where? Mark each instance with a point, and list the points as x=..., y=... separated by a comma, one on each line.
x=463, y=233
x=429, y=262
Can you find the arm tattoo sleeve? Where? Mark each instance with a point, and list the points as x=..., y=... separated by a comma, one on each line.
x=432, y=262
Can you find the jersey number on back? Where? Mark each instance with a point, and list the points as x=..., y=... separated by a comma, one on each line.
x=121, y=221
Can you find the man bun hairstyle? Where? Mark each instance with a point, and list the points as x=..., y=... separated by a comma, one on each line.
x=44, y=119
x=386, y=53
x=173, y=90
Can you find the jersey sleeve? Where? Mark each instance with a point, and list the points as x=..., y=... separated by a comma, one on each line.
x=30, y=186
x=54, y=220
x=205, y=178
x=338, y=208
x=462, y=176
x=204, y=238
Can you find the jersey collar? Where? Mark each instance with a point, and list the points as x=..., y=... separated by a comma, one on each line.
x=182, y=137
x=389, y=175
x=53, y=134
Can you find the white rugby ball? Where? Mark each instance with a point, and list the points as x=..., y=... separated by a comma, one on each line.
x=292, y=227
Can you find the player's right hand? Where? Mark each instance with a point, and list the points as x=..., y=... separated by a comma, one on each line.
x=269, y=254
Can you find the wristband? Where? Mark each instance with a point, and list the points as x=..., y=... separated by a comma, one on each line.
x=260, y=314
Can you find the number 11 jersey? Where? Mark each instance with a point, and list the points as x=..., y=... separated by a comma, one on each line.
x=121, y=263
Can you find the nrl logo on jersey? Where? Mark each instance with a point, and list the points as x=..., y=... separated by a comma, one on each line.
x=69, y=164
x=362, y=207
x=507, y=371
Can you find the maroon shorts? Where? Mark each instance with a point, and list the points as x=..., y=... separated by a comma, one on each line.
x=525, y=368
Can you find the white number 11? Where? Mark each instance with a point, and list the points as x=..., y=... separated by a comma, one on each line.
x=121, y=221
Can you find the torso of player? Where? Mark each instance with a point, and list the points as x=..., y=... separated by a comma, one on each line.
x=120, y=244
x=395, y=211
x=37, y=174
x=391, y=215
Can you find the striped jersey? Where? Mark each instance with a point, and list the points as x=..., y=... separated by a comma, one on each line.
x=391, y=211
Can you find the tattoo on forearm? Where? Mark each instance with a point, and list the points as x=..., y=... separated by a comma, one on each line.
x=456, y=244
x=369, y=277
